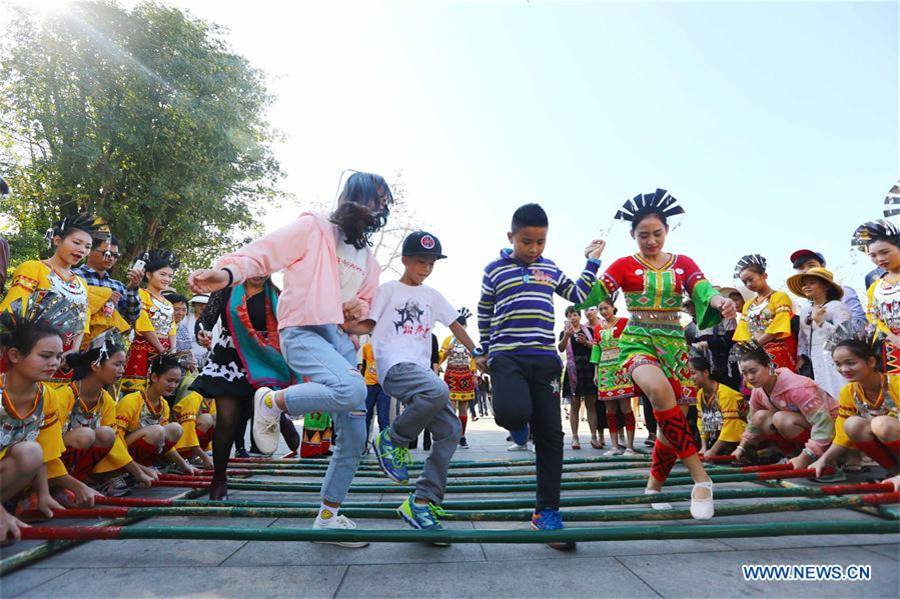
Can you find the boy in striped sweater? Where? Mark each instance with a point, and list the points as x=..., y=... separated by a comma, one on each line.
x=515, y=320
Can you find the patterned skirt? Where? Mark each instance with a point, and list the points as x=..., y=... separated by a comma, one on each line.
x=783, y=353
x=138, y=364
x=461, y=383
x=613, y=382
x=661, y=345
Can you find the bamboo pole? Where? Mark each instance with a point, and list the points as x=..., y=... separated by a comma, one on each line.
x=618, y=533
x=791, y=505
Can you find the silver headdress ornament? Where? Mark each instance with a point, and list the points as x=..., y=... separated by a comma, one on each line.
x=854, y=331
x=107, y=342
x=892, y=201
x=874, y=229
x=749, y=260
x=159, y=258
x=660, y=202
x=47, y=307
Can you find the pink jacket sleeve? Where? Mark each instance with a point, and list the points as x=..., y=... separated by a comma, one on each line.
x=276, y=251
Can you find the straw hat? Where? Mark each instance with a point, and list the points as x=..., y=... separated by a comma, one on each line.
x=726, y=291
x=794, y=282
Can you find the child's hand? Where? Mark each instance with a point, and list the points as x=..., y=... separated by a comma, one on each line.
x=152, y=473
x=819, y=465
x=207, y=281
x=894, y=480
x=482, y=363
x=46, y=504
x=189, y=470
x=10, y=526
x=143, y=479
x=595, y=249
x=353, y=310
x=84, y=496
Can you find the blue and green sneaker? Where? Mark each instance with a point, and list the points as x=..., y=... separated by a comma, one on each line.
x=422, y=517
x=393, y=459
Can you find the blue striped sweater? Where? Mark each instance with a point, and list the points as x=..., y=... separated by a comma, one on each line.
x=515, y=313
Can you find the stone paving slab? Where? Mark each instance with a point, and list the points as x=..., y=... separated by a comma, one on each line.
x=19, y=582
x=275, y=553
x=520, y=578
x=171, y=582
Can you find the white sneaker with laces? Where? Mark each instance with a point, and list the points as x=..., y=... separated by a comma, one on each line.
x=517, y=447
x=629, y=452
x=265, y=421
x=339, y=522
x=657, y=506
x=612, y=452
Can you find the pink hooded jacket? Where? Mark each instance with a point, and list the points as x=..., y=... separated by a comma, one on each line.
x=306, y=251
x=796, y=393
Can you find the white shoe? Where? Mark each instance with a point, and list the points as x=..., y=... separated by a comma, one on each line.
x=265, y=425
x=629, y=451
x=517, y=447
x=702, y=509
x=613, y=451
x=657, y=506
x=339, y=522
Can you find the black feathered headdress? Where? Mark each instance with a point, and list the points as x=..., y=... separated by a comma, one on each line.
x=659, y=202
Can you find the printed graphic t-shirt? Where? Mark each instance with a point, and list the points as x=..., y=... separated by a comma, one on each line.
x=404, y=317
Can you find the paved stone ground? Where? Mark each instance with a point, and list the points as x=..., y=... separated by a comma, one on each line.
x=677, y=568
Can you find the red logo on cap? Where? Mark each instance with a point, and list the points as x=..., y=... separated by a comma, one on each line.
x=428, y=242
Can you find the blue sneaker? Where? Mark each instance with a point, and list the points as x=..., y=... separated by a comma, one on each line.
x=422, y=517
x=393, y=459
x=551, y=519
x=520, y=437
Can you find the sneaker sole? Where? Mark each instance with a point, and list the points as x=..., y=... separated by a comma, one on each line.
x=263, y=443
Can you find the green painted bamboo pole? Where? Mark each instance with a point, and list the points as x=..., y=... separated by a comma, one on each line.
x=609, y=515
x=453, y=465
x=480, y=488
x=527, y=502
x=578, y=534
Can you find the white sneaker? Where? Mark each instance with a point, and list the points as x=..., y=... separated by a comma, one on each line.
x=702, y=509
x=657, y=506
x=265, y=423
x=613, y=451
x=339, y=522
x=629, y=451
x=517, y=447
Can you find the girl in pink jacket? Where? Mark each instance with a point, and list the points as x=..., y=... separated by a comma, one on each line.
x=786, y=409
x=330, y=279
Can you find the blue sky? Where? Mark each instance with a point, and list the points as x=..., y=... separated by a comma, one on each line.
x=775, y=124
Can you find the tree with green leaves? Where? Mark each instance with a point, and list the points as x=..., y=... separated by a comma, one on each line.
x=143, y=116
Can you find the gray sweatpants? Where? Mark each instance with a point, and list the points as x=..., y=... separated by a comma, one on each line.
x=426, y=401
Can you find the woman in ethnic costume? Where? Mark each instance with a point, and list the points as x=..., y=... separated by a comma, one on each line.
x=245, y=355
x=767, y=318
x=460, y=375
x=652, y=346
x=613, y=383
x=881, y=240
x=155, y=328
x=71, y=239
x=867, y=405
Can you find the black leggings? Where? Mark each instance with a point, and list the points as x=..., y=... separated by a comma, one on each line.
x=231, y=424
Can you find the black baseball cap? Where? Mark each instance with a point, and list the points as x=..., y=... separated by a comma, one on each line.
x=422, y=243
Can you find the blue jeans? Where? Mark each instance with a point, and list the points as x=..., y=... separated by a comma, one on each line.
x=326, y=357
x=377, y=401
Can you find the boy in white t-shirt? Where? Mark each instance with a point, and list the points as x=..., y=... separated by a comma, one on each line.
x=403, y=315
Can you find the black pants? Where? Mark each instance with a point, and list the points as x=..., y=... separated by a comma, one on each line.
x=526, y=391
